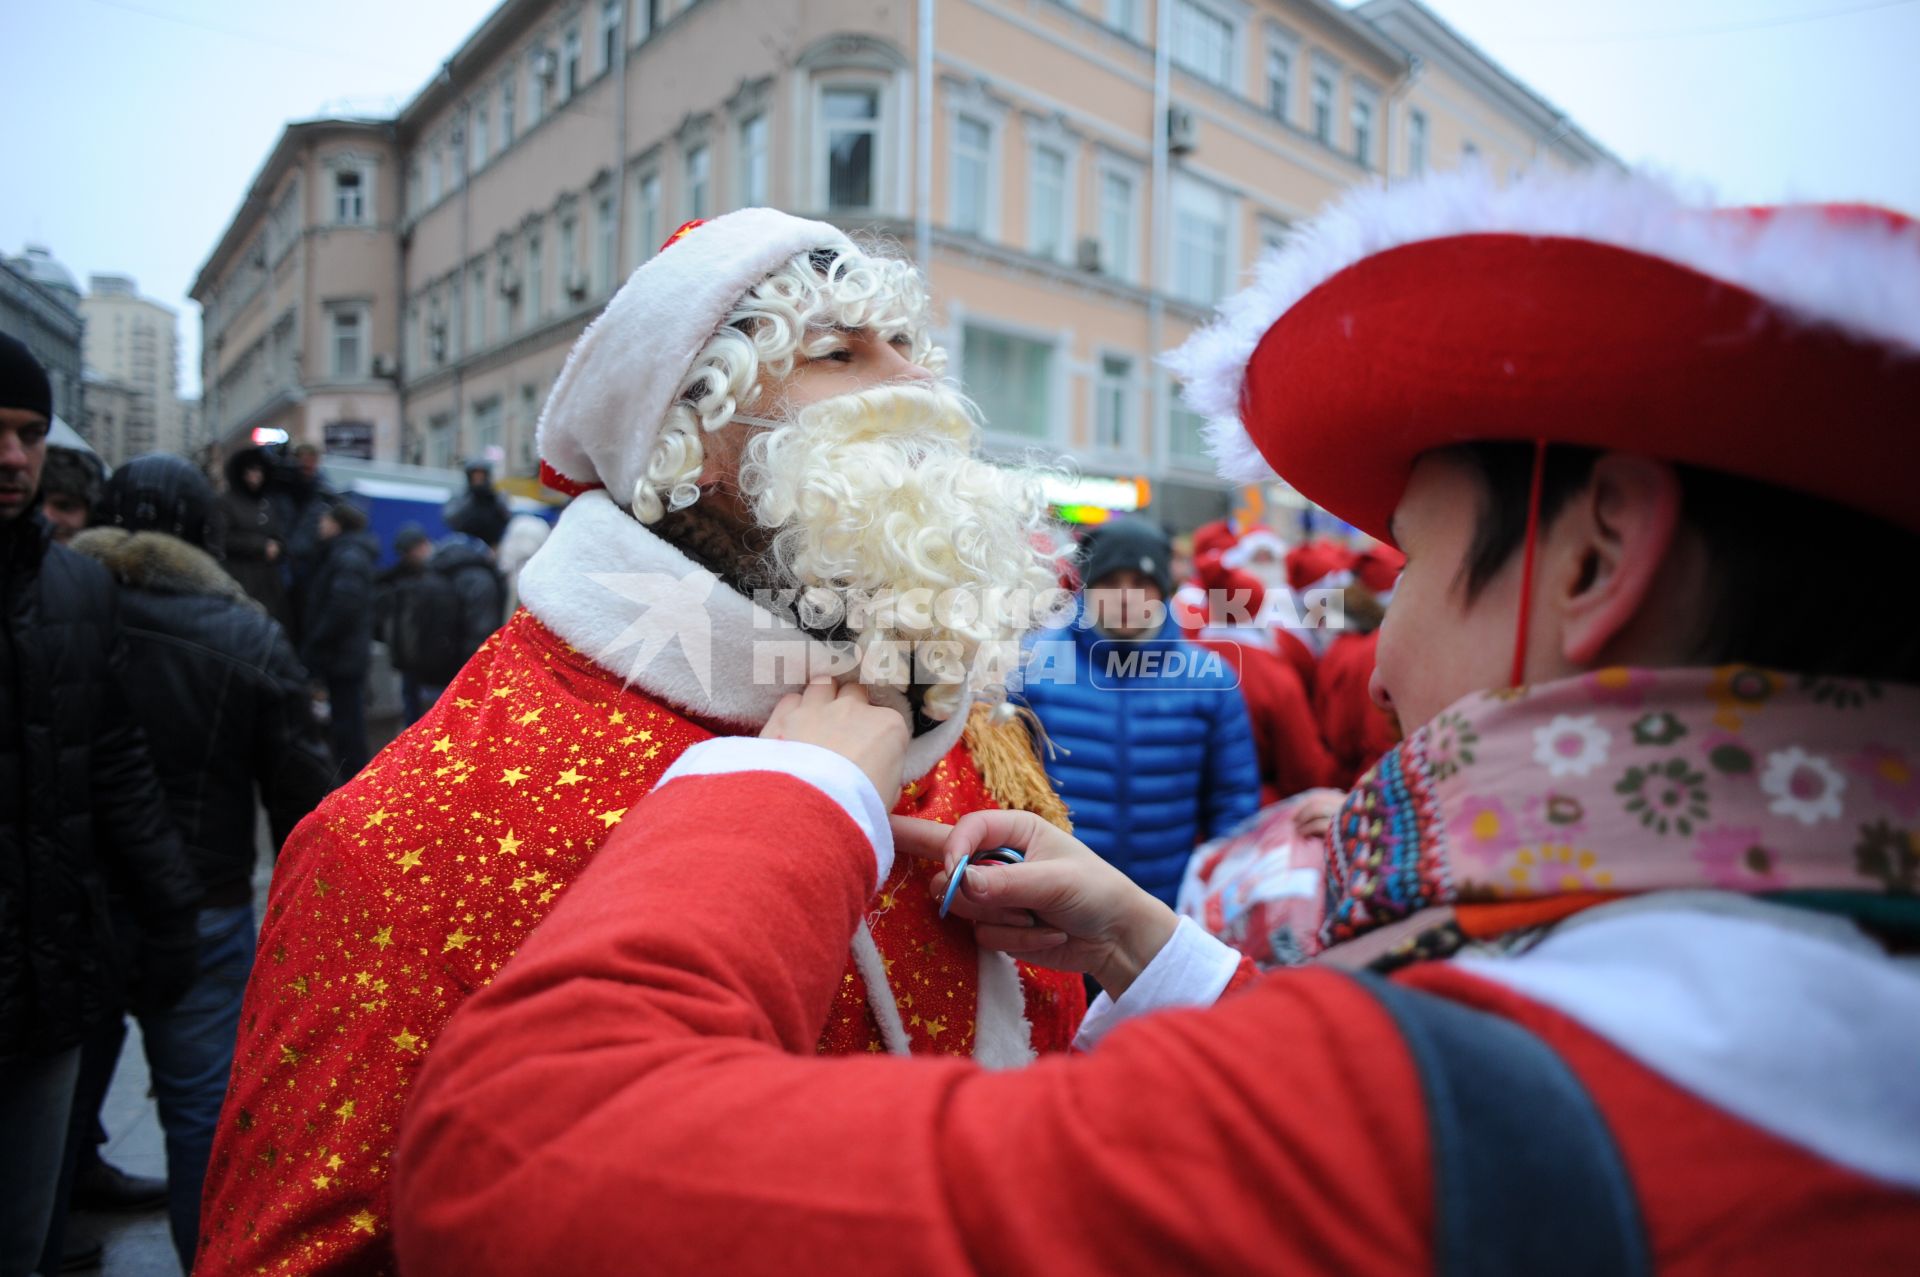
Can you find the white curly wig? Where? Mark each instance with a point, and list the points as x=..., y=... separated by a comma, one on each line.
x=790, y=315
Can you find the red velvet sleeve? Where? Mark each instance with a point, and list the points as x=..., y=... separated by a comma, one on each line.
x=637, y=1090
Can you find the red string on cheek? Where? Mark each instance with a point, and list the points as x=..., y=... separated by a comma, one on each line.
x=1519, y=674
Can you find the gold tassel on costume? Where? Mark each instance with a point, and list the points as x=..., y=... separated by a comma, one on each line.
x=1004, y=753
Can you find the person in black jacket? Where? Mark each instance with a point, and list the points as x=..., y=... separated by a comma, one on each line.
x=480, y=512
x=400, y=600
x=256, y=542
x=226, y=711
x=301, y=495
x=467, y=564
x=80, y=808
x=337, y=636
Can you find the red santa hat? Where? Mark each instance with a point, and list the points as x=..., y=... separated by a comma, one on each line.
x=1227, y=595
x=1378, y=567
x=1250, y=543
x=606, y=410
x=1596, y=310
x=1311, y=562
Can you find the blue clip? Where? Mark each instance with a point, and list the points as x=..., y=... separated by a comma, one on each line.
x=991, y=855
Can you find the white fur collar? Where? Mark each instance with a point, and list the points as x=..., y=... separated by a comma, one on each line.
x=643, y=611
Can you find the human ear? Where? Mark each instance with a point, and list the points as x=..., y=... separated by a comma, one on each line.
x=1620, y=529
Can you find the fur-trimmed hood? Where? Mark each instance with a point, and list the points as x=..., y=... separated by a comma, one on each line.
x=161, y=563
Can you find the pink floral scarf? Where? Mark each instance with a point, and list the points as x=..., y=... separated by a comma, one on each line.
x=1631, y=780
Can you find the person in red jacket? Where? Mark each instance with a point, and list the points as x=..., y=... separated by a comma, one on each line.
x=1631, y=893
x=1286, y=734
x=1355, y=730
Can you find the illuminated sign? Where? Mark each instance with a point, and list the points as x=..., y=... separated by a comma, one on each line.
x=1114, y=495
x=264, y=435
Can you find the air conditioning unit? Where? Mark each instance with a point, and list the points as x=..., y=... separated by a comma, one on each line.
x=437, y=341
x=577, y=285
x=545, y=64
x=1183, y=131
x=383, y=366
x=509, y=280
x=1086, y=255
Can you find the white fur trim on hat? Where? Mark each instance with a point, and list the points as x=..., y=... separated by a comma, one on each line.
x=605, y=412
x=1859, y=275
x=1241, y=552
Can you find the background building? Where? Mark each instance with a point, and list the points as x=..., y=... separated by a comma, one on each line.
x=132, y=341
x=117, y=420
x=40, y=305
x=1082, y=179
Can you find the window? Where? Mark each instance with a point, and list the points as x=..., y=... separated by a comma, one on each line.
x=486, y=429
x=1203, y=42
x=433, y=177
x=349, y=343
x=536, y=278
x=603, y=263
x=1119, y=222
x=972, y=158
x=506, y=112
x=1187, y=437
x=850, y=146
x=349, y=197
x=509, y=290
x=1127, y=16
x=416, y=195
x=753, y=162
x=442, y=442
x=648, y=19
x=699, y=182
x=1047, y=229
x=1416, y=141
x=609, y=33
x=478, y=159
x=571, y=283
x=1323, y=105
x=1010, y=378
x=1273, y=235
x=1200, y=241
x=529, y=423
x=477, y=306
x=1113, y=405
x=570, y=63
x=1279, y=80
x=647, y=217
x=536, y=84
x=1362, y=112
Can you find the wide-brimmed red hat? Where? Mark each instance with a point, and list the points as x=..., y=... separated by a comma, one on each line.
x=1778, y=344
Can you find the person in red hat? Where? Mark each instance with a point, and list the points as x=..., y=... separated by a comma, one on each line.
x=1611, y=976
x=1286, y=734
x=1357, y=731
x=747, y=427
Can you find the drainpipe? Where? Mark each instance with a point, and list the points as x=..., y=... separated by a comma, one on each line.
x=620, y=156
x=923, y=148
x=1160, y=395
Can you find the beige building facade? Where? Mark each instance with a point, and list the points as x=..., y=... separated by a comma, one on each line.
x=135, y=342
x=1082, y=179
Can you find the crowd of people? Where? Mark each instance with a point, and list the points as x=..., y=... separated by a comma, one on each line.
x=172, y=651
x=799, y=753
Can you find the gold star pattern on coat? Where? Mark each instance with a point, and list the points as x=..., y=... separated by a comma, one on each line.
x=487, y=815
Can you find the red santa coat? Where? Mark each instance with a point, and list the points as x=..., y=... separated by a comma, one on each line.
x=405, y=891
x=1356, y=730
x=595, y=1109
x=1286, y=735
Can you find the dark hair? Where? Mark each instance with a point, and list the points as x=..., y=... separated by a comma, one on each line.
x=1796, y=582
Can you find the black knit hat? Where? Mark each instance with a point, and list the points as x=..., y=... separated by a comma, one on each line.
x=349, y=516
x=159, y=493
x=23, y=382
x=1128, y=543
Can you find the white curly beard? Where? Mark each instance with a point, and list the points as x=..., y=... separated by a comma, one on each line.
x=885, y=522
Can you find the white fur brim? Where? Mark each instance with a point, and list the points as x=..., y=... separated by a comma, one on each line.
x=1860, y=275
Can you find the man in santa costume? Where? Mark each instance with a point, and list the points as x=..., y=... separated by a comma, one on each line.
x=1642, y=871
x=769, y=475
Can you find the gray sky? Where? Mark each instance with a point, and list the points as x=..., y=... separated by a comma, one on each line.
x=134, y=126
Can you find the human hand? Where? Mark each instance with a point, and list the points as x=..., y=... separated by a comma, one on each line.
x=871, y=737
x=1062, y=907
x=1316, y=813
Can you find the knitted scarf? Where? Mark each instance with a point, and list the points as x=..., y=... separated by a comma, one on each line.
x=1512, y=809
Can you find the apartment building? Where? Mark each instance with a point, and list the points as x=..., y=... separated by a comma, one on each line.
x=134, y=342
x=1082, y=180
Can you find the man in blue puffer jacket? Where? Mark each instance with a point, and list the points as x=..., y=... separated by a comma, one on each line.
x=1157, y=752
